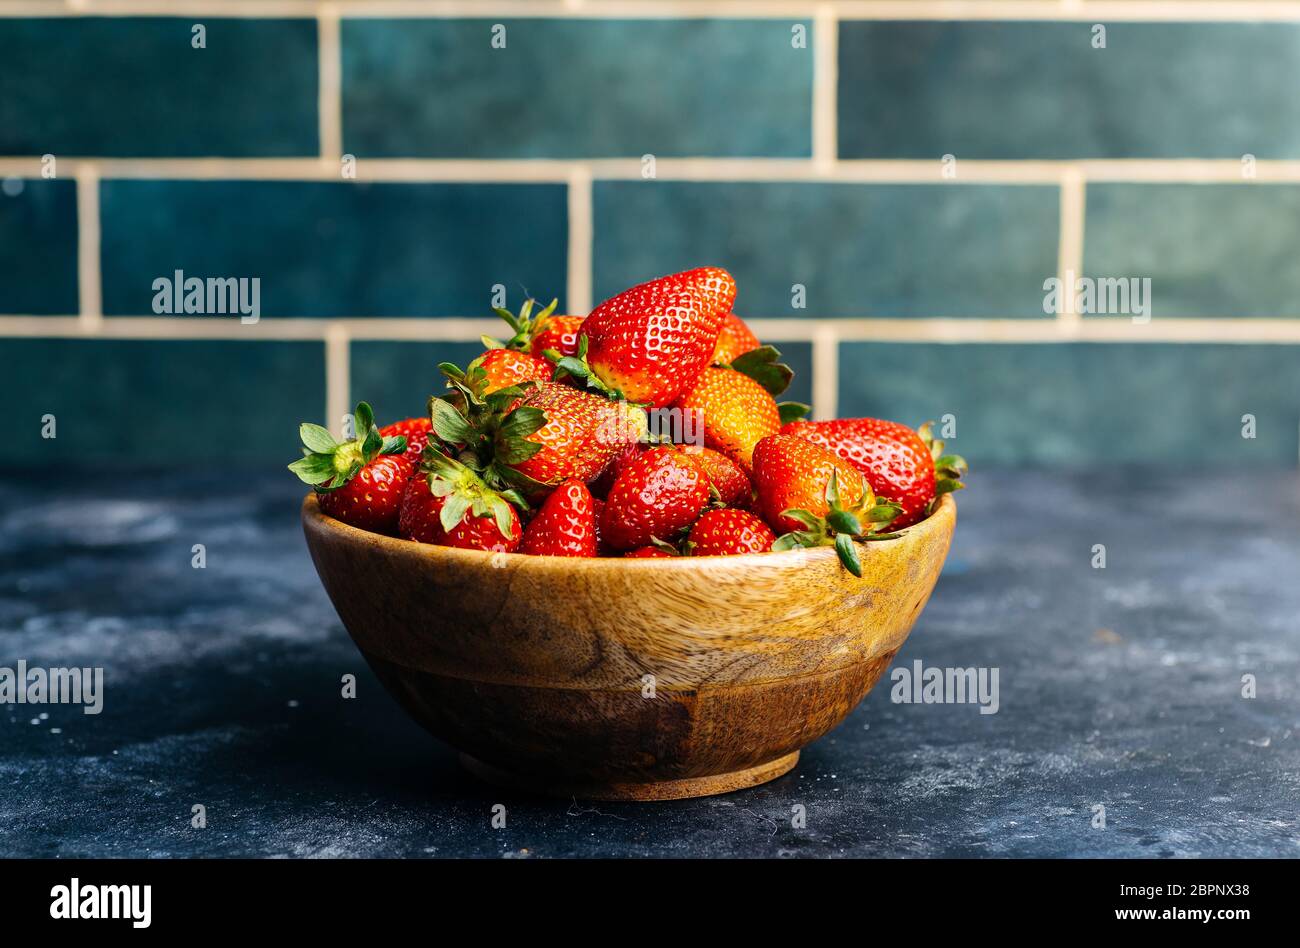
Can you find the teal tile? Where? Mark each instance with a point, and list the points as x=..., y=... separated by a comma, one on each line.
x=38, y=231
x=857, y=249
x=337, y=249
x=990, y=90
x=173, y=403
x=136, y=86
x=576, y=88
x=397, y=378
x=1086, y=403
x=1209, y=249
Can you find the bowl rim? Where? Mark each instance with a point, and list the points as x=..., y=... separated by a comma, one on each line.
x=943, y=518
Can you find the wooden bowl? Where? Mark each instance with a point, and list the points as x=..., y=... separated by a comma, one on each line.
x=615, y=679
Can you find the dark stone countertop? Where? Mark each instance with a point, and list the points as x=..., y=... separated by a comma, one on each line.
x=1118, y=686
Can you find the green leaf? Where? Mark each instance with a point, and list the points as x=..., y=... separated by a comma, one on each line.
x=453, y=511
x=522, y=422
x=393, y=444
x=313, y=469
x=364, y=418
x=788, y=541
x=792, y=411
x=316, y=438
x=573, y=365
x=883, y=513
x=517, y=451
x=490, y=343
x=803, y=516
x=502, y=515
x=522, y=481
x=947, y=486
x=449, y=424
x=762, y=366
x=841, y=521
x=848, y=554
x=881, y=536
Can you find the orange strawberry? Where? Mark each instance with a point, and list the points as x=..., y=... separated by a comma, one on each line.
x=360, y=481
x=729, y=533
x=506, y=367
x=649, y=342
x=566, y=524
x=736, y=411
x=735, y=339
x=820, y=498
x=449, y=505
x=657, y=495
x=908, y=467
x=726, y=476
x=582, y=434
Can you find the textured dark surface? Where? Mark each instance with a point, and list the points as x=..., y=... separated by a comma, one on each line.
x=222, y=688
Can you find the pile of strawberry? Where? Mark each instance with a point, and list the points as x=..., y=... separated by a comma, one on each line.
x=542, y=446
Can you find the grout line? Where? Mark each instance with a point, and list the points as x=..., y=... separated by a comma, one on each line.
x=329, y=101
x=825, y=79
x=1070, y=249
x=337, y=377
x=90, y=293
x=1245, y=330
x=578, y=292
x=1078, y=10
x=853, y=171
x=825, y=371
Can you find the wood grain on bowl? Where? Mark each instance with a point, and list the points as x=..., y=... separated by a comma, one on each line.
x=626, y=679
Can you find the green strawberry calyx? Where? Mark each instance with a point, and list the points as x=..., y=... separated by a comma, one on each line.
x=463, y=493
x=327, y=464
x=578, y=367
x=487, y=433
x=525, y=325
x=949, y=469
x=842, y=525
x=763, y=367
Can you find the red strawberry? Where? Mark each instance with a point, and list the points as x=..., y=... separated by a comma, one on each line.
x=729, y=533
x=648, y=553
x=908, y=467
x=625, y=456
x=566, y=524
x=537, y=334
x=598, y=506
x=735, y=339
x=506, y=367
x=648, y=343
x=736, y=411
x=447, y=504
x=557, y=334
x=657, y=495
x=359, y=482
x=727, y=477
x=820, y=498
x=415, y=431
